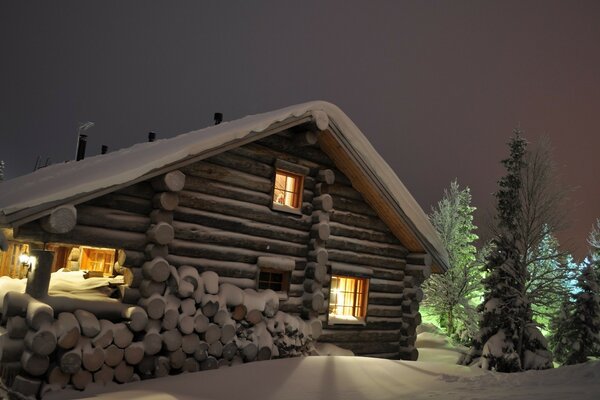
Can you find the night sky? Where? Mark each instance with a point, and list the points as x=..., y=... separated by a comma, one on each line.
x=437, y=87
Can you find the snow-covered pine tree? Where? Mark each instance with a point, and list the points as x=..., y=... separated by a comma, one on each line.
x=449, y=296
x=508, y=340
x=549, y=276
x=578, y=330
x=2, y=166
x=562, y=330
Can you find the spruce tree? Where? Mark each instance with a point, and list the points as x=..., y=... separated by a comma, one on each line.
x=508, y=340
x=577, y=335
x=449, y=296
x=2, y=166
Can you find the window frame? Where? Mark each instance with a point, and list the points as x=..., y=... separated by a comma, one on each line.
x=85, y=259
x=361, y=319
x=298, y=191
x=285, y=279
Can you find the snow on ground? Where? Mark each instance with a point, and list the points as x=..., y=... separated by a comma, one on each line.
x=360, y=378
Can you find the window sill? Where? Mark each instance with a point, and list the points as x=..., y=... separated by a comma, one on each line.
x=337, y=320
x=287, y=209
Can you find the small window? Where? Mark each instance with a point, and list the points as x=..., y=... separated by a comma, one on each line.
x=348, y=300
x=287, y=193
x=275, y=280
x=98, y=260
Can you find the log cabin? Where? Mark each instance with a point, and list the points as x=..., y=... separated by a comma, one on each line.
x=295, y=201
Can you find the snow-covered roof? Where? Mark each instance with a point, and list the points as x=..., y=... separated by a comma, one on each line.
x=31, y=196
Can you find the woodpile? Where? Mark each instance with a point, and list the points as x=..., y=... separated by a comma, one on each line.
x=215, y=325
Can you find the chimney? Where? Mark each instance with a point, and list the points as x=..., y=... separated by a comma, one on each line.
x=151, y=136
x=81, y=147
x=103, y=149
x=218, y=118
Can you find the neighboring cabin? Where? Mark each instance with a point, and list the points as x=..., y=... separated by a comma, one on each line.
x=294, y=200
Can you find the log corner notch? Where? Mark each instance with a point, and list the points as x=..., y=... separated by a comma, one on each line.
x=321, y=119
x=62, y=219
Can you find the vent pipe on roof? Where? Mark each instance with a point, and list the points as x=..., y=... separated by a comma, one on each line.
x=151, y=136
x=81, y=146
x=218, y=118
x=103, y=149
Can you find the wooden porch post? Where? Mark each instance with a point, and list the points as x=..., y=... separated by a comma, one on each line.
x=38, y=278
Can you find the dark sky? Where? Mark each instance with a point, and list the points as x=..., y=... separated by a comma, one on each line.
x=436, y=86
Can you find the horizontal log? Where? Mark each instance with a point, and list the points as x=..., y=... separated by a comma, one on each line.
x=365, y=246
x=225, y=190
x=377, y=298
x=358, y=220
x=123, y=202
x=268, y=155
x=419, y=259
x=359, y=335
x=240, y=225
x=223, y=268
x=241, y=209
x=291, y=167
x=338, y=268
x=230, y=176
x=277, y=263
x=201, y=250
x=243, y=164
x=388, y=274
x=339, y=229
x=385, y=286
x=384, y=311
x=110, y=309
x=351, y=257
x=216, y=236
x=109, y=218
x=338, y=190
x=86, y=235
x=143, y=190
x=354, y=206
x=341, y=178
x=285, y=145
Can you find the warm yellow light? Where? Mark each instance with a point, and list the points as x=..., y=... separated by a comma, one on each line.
x=24, y=258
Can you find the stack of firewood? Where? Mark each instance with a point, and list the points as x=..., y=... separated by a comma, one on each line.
x=197, y=324
x=40, y=352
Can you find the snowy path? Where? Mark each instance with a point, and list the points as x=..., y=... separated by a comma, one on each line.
x=355, y=378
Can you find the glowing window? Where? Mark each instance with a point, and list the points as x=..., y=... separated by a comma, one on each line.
x=288, y=190
x=98, y=260
x=348, y=299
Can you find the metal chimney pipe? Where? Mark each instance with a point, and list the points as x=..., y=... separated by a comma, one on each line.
x=218, y=118
x=81, y=147
x=103, y=149
x=151, y=136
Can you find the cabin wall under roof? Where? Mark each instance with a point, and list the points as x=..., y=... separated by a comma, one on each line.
x=224, y=222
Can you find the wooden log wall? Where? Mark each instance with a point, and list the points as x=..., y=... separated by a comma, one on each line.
x=361, y=245
x=220, y=219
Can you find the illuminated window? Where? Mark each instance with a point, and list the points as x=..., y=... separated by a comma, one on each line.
x=287, y=193
x=348, y=300
x=275, y=280
x=98, y=259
